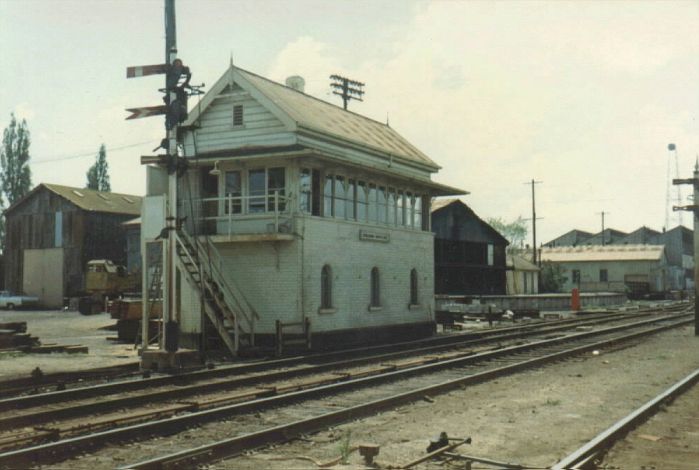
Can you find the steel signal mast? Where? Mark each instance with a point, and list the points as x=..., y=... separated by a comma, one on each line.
x=177, y=89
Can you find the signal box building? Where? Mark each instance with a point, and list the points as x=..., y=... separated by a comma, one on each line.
x=469, y=253
x=53, y=231
x=303, y=219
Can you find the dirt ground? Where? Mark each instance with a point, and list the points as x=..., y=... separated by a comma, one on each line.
x=64, y=327
x=534, y=418
x=669, y=440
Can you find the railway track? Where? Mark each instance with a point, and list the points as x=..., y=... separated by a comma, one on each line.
x=91, y=377
x=588, y=456
x=449, y=368
x=294, y=365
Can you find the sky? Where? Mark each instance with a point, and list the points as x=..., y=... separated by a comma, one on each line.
x=584, y=96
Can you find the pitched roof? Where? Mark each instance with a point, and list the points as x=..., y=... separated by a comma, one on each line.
x=443, y=202
x=572, y=237
x=90, y=200
x=438, y=204
x=603, y=253
x=520, y=264
x=317, y=115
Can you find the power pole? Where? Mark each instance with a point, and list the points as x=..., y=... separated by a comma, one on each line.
x=348, y=89
x=603, y=214
x=695, y=209
x=534, y=249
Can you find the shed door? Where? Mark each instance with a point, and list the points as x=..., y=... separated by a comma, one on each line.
x=43, y=276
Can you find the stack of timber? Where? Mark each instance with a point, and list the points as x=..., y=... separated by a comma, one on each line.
x=14, y=338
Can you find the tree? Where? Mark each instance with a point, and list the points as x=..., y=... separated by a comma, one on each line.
x=551, y=278
x=98, y=174
x=15, y=174
x=515, y=231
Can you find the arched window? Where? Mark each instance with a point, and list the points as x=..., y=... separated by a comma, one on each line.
x=413, y=287
x=326, y=287
x=375, y=288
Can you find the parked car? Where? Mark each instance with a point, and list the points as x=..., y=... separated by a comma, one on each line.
x=11, y=301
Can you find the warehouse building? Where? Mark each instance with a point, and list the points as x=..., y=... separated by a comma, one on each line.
x=635, y=269
x=53, y=231
x=469, y=254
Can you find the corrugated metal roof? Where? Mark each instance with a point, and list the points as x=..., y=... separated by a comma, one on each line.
x=98, y=201
x=319, y=115
x=520, y=264
x=442, y=202
x=603, y=253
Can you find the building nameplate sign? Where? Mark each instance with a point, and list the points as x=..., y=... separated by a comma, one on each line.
x=370, y=236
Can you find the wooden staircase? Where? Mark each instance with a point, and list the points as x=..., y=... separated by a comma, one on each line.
x=226, y=308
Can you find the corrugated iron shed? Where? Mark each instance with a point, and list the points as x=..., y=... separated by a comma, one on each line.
x=603, y=253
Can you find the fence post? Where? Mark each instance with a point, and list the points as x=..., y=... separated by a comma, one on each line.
x=278, y=325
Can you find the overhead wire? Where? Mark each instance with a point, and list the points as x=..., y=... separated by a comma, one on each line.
x=90, y=154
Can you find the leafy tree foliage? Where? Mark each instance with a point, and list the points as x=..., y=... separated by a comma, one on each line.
x=551, y=278
x=98, y=174
x=15, y=174
x=515, y=231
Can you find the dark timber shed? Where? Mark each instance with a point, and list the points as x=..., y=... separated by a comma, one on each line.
x=469, y=254
x=52, y=232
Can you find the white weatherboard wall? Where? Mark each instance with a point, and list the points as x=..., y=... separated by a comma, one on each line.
x=217, y=131
x=337, y=243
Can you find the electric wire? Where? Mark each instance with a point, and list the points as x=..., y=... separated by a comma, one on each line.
x=91, y=154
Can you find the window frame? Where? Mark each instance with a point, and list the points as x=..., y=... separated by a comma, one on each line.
x=238, y=112
x=374, y=289
x=326, y=289
x=414, y=288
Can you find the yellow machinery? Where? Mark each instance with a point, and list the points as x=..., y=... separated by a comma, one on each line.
x=105, y=280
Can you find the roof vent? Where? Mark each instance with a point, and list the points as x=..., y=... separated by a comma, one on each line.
x=296, y=82
x=78, y=193
x=103, y=196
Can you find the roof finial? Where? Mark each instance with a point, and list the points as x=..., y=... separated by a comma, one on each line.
x=387, y=123
x=696, y=164
x=231, y=58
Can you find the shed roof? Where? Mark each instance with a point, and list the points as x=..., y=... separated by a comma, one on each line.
x=439, y=204
x=90, y=200
x=520, y=264
x=603, y=253
x=317, y=115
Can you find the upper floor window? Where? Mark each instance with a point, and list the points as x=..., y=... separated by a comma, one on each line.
x=375, y=288
x=326, y=287
x=491, y=254
x=414, y=300
x=233, y=191
x=238, y=115
x=603, y=275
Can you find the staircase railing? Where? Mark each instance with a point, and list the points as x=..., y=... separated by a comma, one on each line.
x=211, y=270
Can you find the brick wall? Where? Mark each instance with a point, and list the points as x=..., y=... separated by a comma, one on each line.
x=270, y=275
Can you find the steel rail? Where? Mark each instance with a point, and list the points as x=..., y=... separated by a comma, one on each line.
x=61, y=379
x=106, y=405
x=58, y=450
x=468, y=339
x=600, y=443
x=235, y=446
